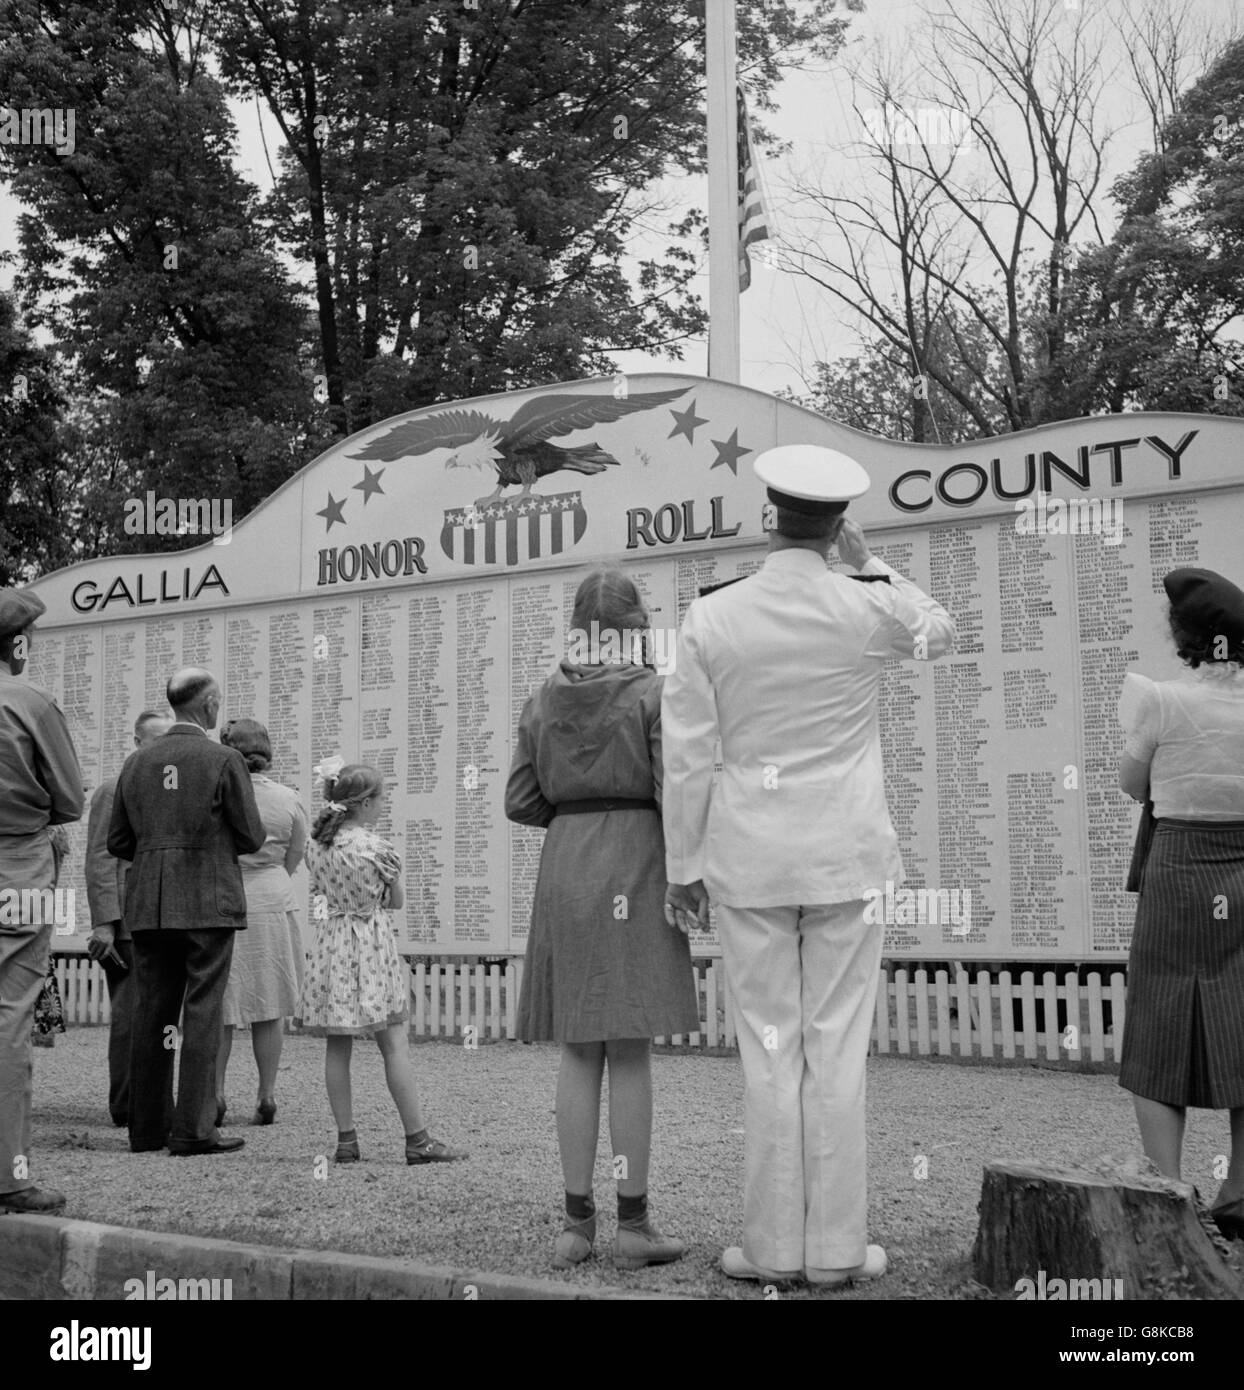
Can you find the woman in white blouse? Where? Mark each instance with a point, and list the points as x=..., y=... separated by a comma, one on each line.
x=1183, y=1043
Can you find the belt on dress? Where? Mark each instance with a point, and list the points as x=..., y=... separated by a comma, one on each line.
x=355, y=919
x=603, y=803
x=1199, y=823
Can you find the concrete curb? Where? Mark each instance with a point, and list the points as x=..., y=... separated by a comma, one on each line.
x=50, y=1258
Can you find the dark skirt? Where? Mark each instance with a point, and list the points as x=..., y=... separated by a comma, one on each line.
x=601, y=962
x=1183, y=1041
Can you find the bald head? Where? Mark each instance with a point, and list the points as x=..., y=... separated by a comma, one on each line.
x=194, y=697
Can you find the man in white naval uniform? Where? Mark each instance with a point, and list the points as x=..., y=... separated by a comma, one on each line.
x=784, y=668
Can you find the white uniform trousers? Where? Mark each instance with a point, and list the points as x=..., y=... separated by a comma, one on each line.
x=804, y=981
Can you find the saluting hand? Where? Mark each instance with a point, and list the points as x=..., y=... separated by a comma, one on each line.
x=852, y=547
x=686, y=906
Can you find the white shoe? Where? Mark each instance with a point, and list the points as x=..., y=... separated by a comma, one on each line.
x=874, y=1266
x=738, y=1266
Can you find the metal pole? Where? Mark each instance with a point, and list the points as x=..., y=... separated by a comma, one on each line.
x=723, y=192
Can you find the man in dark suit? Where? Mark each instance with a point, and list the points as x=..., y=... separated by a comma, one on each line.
x=183, y=812
x=110, y=941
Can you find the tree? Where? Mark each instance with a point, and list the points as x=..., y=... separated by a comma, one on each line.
x=465, y=180
x=36, y=475
x=144, y=260
x=874, y=391
x=990, y=160
x=988, y=165
x=1157, y=311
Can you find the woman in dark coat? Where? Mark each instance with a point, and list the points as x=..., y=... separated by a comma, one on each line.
x=1183, y=1041
x=604, y=973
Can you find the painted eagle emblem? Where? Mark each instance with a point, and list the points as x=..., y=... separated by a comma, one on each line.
x=519, y=449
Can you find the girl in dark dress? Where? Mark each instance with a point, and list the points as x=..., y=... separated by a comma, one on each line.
x=1183, y=1040
x=604, y=973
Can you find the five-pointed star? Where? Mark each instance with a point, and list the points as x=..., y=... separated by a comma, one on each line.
x=370, y=483
x=687, y=420
x=729, y=452
x=333, y=512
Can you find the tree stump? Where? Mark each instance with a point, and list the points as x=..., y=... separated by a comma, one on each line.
x=1107, y=1228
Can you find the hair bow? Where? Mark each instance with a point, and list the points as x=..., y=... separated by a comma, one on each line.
x=329, y=768
x=337, y=806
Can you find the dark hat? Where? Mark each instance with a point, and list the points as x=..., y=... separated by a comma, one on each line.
x=18, y=609
x=1206, y=603
x=810, y=479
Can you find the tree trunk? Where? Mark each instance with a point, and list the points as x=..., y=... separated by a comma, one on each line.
x=1106, y=1229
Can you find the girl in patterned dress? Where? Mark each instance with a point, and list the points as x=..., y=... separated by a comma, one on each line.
x=356, y=984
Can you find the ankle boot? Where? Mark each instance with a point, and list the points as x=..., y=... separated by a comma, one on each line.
x=639, y=1243
x=574, y=1244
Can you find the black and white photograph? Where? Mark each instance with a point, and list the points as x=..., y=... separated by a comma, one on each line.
x=621, y=647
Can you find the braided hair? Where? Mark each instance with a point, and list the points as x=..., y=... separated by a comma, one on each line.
x=350, y=788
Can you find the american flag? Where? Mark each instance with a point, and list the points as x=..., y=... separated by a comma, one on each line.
x=753, y=224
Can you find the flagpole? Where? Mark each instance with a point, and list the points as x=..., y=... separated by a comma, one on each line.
x=723, y=191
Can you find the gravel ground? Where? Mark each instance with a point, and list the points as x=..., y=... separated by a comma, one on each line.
x=500, y=1211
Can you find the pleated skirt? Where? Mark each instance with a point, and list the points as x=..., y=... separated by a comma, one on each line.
x=1183, y=1041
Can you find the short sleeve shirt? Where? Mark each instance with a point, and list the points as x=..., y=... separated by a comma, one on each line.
x=1191, y=733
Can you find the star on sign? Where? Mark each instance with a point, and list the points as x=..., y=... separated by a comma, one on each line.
x=333, y=512
x=370, y=483
x=729, y=452
x=687, y=421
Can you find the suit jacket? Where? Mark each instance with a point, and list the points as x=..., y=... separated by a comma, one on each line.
x=784, y=669
x=105, y=874
x=183, y=811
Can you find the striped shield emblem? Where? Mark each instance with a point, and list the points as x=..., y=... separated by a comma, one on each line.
x=514, y=529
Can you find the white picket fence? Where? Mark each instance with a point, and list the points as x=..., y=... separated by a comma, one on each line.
x=923, y=1013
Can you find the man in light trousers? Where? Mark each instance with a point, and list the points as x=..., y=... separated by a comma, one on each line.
x=783, y=668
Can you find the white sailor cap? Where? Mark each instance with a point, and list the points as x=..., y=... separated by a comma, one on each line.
x=810, y=479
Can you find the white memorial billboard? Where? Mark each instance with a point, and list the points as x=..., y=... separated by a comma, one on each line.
x=398, y=599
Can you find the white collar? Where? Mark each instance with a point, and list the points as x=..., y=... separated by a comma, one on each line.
x=797, y=557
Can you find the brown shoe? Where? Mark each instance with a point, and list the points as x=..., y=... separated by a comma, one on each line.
x=32, y=1201
x=574, y=1244
x=639, y=1243
x=433, y=1151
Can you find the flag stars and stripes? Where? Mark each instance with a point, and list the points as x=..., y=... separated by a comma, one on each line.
x=753, y=218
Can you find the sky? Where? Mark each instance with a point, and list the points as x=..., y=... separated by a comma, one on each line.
x=787, y=322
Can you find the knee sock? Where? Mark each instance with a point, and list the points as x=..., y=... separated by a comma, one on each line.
x=633, y=1209
x=579, y=1208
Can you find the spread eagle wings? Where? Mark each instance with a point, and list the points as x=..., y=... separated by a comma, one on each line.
x=535, y=421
